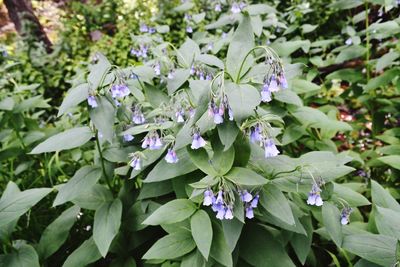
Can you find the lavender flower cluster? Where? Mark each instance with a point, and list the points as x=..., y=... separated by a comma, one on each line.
x=200, y=73
x=217, y=112
x=272, y=85
x=259, y=134
x=224, y=207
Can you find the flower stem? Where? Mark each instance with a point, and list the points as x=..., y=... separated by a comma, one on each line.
x=102, y=162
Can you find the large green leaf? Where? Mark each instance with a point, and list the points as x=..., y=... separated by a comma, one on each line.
x=23, y=256
x=243, y=99
x=275, y=202
x=243, y=176
x=232, y=230
x=93, y=197
x=202, y=232
x=74, y=96
x=379, y=249
x=174, y=211
x=219, y=248
x=83, y=255
x=242, y=42
x=227, y=132
x=171, y=246
x=392, y=161
x=14, y=205
x=387, y=222
x=82, y=180
x=187, y=52
x=180, y=77
x=103, y=118
x=382, y=198
x=165, y=171
x=107, y=221
x=284, y=49
x=331, y=219
x=272, y=252
x=68, y=139
x=57, y=232
x=98, y=71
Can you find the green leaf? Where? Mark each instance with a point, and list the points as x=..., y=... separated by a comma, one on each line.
x=165, y=171
x=202, y=232
x=222, y=160
x=103, y=118
x=350, y=52
x=379, y=249
x=382, y=198
x=242, y=42
x=210, y=60
x=83, y=179
x=57, y=232
x=243, y=99
x=171, y=246
x=98, y=71
x=353, y=198
x=152, y=190
x=386, y=60
x=243, y=176
x=174, y=211
x=187, y=52
x=193, y=259
x=288, y=96
x=13, y=206
x=272, y=252
x=382, y=80
x=387, y=222
x=275, y=202
x=303, y=86
x=392, y=160
x=7, y=103
x=121, y=262
x=331, y=218
x=83, y=255
x=200, y=158
x=284, y=49
x=68, y=139
x=74, y=96
x=23, y=256
x=219, y=248
x=107, y=221
x=302, y=243
x=227, y=133
x=180, y=77
x=232, y=230
x=93, y=197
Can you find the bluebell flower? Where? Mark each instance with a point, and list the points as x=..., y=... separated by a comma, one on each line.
x=155, y=142
x=143, y=28
x=235, y=8
x=192, y=70
x=133, y=76
x=221, y=212
x=254, y=202
x=179, y=115
x=255, y=134
x=210, y=46
x=266, y=93
x=349, y=41
x=314, y=197
x=230, y=113
x=217, y=7
x=138, y=117
x=201, y=76
x=157, y=69
x=187, y=16
x=223, y=35
x=273, y=85
x=128, y=137
x=171, y=75
x=270, y=148
x=171, y=156
x=242, y=5
x=245, y=196
x=345, y=215
x=92, y=101
x=208, y=77
x=209, y=198
x=215, y=112
x=136, y=163
x=192, y=111
x=143, y=50
x=189, y=29
x=282, y=81
x=228, y=213
x=119, y=91
x=220, y=197
x=152, y=30
x=198, y=141
x=146, y=142
x=249, y=212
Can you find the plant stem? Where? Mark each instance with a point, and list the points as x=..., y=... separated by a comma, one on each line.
x=102, y=162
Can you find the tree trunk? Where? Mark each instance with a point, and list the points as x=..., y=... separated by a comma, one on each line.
x=20, y=10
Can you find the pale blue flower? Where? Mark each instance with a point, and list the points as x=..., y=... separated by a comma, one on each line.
x=128, y=137
x=198, y=141
x=245, y=196
x=249, y=212
x=136, y=163
x=266, y=93
x=273, y=85
x=228, y=213
x=314, y=197
x=345, y=215
x=282, y=81
x=254, y=202
x=270, y=148
x=92, y=101
x=143, y=28
x=208, y=197
x=171, y=156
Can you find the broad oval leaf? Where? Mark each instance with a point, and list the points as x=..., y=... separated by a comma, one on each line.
x=331, y=219
x=202, y=232
x=83, y=255
x=68, y=139
x=243, y=99
x=74, y=96
x=107, y=221
x=174, y=211
x=23, y=256
x=275, y=202
x=243, y=176
x=171, y=246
